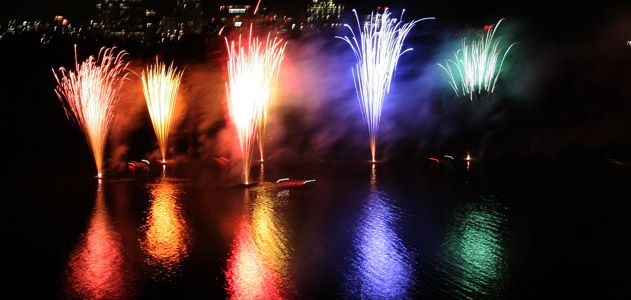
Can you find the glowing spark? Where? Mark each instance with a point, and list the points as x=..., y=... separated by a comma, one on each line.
x=477, y=65
x=89, y=94
x=267, y=101
x=377, y=52
x=256, y=9
x=160, y=85
x=252, y=74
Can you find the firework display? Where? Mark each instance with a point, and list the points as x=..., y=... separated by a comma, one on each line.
x=253, y=67
x=89, y=94
x=477, y=65
x=160, y=87
x=377, y=50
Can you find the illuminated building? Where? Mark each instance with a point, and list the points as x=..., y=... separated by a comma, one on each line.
x=122, y=18
x=167, y=29
x=235, y=15
x=241, y=14
x=324, y=14
x=189, y=16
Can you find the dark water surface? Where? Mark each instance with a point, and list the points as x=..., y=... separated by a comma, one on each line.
x=388, y=232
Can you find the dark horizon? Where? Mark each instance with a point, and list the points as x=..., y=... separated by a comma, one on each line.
x=563, y=11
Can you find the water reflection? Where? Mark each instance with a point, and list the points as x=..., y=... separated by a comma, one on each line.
x=166, y=235
x=95, y=267
x=258, y=266
x=475, y=249
x=382, y=267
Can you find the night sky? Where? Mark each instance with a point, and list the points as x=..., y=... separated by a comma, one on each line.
x=558, y=12
x=550, y=19
x=572, y=65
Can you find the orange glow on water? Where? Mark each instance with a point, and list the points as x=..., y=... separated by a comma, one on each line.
x=96, y=265
x=166, y=232
x=270, y=234
x=373, y=176
x=248, y=277
x=258, y=264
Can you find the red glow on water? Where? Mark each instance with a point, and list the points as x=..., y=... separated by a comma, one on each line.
x=96, y=266
x=247, y=275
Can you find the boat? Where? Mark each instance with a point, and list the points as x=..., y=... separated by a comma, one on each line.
x=285, y=183
x=138, y=168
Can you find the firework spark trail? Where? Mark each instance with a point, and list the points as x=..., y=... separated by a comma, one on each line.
x=262, y=121
x=477, y=66
x=89, y=94
x=377, y=52
x=160, y=87
x=274, y=72
x=252, y=75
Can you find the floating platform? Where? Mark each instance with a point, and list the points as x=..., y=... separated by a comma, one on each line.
x=246, y=185
x=285, y=183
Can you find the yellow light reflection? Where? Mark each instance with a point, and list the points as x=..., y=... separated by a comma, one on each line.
x=270, y=233
x=258, y=264
x=95, y=267
x=262, y=172
x=166, y=233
